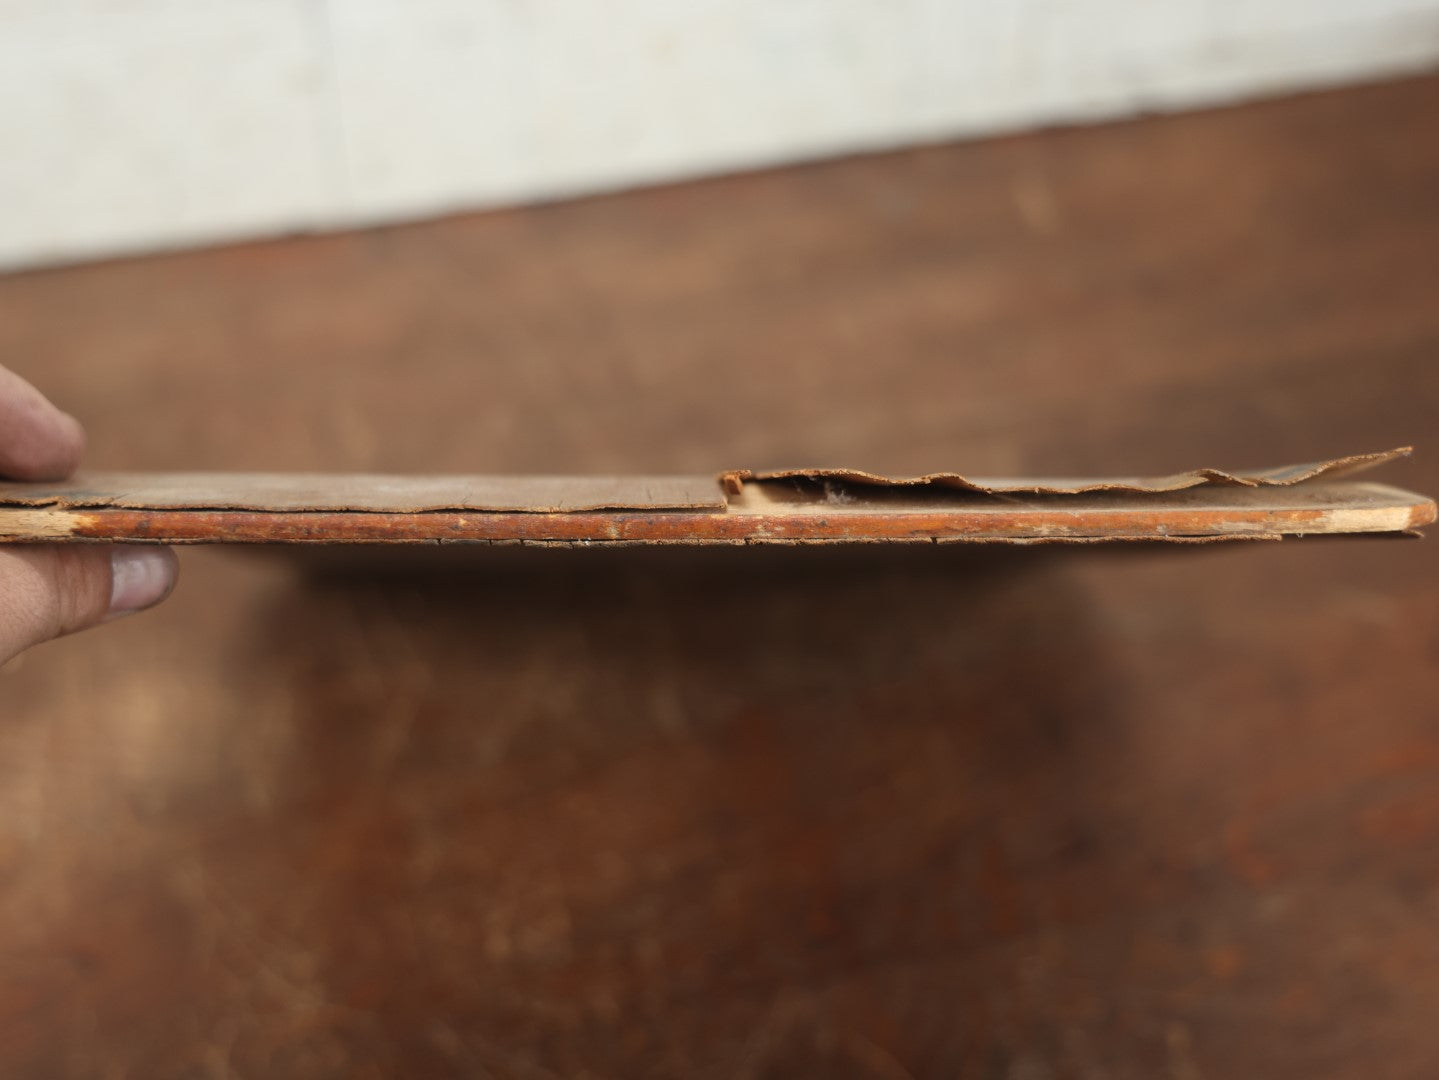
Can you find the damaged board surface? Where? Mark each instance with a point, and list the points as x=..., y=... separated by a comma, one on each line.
x=810, y=505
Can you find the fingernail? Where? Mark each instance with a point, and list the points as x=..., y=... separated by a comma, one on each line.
x=142, y=576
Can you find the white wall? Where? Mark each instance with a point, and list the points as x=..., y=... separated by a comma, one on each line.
x=129, y=125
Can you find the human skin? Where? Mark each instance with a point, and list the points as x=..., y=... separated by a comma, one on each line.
x=47, y=591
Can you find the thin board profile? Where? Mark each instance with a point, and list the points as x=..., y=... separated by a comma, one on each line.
x=795, y=506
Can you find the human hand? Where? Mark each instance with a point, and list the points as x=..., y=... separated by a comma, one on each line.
x=52, y=590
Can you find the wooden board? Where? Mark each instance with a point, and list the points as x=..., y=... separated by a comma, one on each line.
x=788, y=508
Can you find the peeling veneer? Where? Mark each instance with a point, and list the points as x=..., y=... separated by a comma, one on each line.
x=797, y=506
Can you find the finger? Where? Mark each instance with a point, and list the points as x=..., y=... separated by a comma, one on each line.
x=37, y=440
x=46, y=592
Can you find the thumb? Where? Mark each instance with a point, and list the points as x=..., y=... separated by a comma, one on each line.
x=49, y=591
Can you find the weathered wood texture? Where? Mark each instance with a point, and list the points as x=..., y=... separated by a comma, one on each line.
x=926, y=811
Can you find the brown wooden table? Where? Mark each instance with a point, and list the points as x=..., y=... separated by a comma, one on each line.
x=930, y=812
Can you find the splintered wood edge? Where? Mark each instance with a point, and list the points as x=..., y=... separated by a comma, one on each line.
x=761, y=516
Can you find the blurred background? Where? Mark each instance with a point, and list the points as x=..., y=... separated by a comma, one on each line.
x=132, y=125
x=1128, y=812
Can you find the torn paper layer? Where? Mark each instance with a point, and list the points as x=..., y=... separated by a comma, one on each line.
x=1278, y=477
